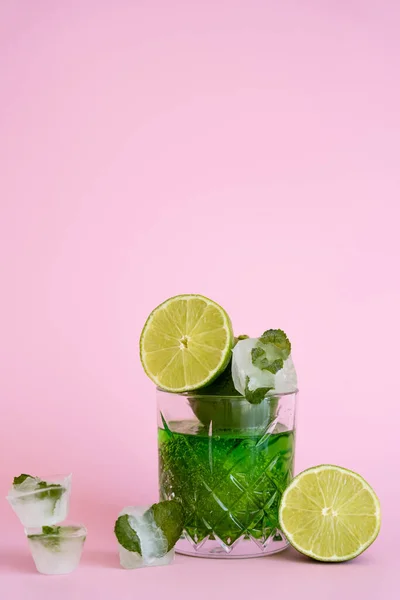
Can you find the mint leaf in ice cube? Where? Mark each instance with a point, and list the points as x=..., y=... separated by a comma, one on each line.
x=260, y=360
x=47, y=530
x=49, y=538
x=279, y=340
x=50, y=490
x=21, y=478
x=126, y=536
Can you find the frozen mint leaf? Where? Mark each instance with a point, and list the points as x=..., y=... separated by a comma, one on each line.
x=47, y=530
x=169, y=516
x=126, y=536
x=21, y=478
x=54, y=491
x=278, y=339
x=260, y=360
x=275, y=366
x=50, y=537
x=255, y=396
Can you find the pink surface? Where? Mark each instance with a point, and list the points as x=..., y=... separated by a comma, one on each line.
x=246, y=150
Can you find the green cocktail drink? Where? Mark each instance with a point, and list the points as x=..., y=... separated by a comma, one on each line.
x=230, y=484
x=229, y=480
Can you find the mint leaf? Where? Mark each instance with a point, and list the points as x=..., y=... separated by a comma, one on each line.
x=275, y=366
x=272, y=350
x=54, y=492
x=49, y=538
x=255, y=396
x=260, y=360
x=47, y=530
x=21, y=478
x=126, y=536
x=278, y=339
x=169, y=516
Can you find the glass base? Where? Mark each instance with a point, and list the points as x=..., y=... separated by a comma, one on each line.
x=243, y=548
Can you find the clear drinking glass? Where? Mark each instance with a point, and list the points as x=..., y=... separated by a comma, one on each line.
x=227, y=461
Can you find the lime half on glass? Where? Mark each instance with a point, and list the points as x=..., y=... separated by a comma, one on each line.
x=330, y=514
x=186, y=343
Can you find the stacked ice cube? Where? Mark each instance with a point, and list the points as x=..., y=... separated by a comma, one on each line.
x=41, y=504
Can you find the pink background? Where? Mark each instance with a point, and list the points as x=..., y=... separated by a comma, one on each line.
x=243, y=149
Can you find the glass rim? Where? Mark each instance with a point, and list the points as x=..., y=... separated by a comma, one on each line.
x=193, y=395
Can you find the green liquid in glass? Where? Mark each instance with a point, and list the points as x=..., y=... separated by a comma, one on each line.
x=229, y=483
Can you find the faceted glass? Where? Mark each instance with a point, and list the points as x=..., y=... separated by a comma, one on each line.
x=228, y=462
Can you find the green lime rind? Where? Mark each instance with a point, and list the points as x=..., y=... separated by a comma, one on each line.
x=126, y=536
x=169, y=516
x=314, y=506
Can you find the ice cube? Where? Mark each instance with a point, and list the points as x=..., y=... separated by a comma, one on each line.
x=133, y=560
x=244, y=371
x=56, y=552
x=153, y=543
x=39, y=502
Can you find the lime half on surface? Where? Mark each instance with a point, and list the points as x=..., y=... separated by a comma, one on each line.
x=330, y=514
x=186, y=343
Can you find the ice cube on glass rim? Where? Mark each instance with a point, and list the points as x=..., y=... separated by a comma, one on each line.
x=244, y=371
